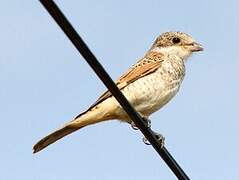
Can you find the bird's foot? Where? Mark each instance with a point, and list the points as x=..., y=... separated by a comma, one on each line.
x=146, y=120
x=158, y=136
x=134, y=127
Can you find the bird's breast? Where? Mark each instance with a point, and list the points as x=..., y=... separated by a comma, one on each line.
x=151, y=92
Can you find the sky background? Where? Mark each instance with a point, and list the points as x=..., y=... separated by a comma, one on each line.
x=44, y=83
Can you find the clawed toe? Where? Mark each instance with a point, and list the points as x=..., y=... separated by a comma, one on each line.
x=160, y=138
x=146, y=120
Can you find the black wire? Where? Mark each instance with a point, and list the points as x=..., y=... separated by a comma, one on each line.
x=80, y=45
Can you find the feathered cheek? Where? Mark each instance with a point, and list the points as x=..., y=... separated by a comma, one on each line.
x=184, y=53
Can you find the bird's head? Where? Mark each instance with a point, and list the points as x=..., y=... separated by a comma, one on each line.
x=176, y=43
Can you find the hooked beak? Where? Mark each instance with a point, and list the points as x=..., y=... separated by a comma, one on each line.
x=194, y=47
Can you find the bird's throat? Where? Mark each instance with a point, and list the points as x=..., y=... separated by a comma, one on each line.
x=173, y=51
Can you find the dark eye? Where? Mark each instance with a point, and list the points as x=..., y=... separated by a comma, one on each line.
x=176, y=40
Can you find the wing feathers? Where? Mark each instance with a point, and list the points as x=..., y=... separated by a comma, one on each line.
x=149, y=64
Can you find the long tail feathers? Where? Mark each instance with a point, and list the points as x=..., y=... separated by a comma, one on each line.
x=81, y=121
x=53, y=137
x=84, y=119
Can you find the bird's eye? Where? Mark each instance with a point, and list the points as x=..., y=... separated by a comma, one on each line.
x=176, y=40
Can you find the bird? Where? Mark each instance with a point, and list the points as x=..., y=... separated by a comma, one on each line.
x=148, y=85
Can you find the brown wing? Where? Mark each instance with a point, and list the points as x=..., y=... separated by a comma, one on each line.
x=150, y=63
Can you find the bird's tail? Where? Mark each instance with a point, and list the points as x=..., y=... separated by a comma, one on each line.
x=53, y=137
x=84, y=119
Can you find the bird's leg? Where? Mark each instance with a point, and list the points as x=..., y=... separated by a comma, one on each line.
x=134, y=127
x=158, y=136
x=146, y=120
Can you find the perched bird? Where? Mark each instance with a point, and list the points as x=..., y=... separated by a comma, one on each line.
x=148, y=85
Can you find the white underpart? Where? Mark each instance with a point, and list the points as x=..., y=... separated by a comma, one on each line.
x=150, y=93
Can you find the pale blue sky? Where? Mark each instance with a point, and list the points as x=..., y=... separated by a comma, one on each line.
x=45, y=82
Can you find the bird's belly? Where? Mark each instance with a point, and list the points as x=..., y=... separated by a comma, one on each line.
x=150, y=93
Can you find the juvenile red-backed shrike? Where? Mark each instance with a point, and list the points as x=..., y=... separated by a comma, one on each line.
x=148, y=85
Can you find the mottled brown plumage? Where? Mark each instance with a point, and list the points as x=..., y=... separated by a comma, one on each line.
x=148, y=85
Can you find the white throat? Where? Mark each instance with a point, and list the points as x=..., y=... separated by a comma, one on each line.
x=173, y=51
